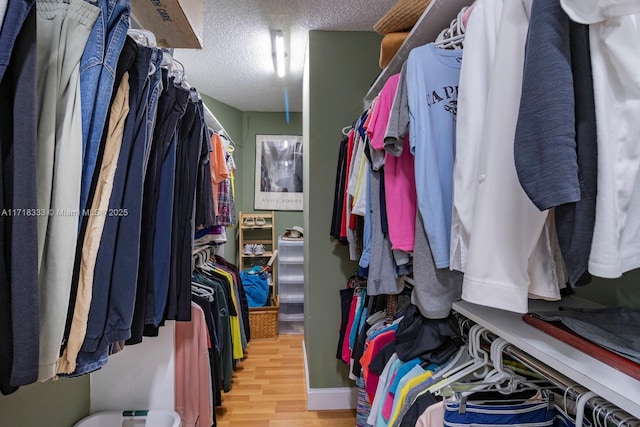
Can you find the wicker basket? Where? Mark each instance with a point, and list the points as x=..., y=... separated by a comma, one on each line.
x=264, y=320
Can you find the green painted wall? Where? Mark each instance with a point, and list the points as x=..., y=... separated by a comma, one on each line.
x=243, y=128
x=340, y=67
x=228, y=116
x=59, y=403
x=254, y=123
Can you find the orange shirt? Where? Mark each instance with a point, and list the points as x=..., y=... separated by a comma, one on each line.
x=218, y=165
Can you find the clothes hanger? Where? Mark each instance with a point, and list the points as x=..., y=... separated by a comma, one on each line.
x=197, y=284
x=228, y=143
x=479, y=361
x=178, y=73
x=345, y=130
x=143, y=37
x=461, y=356
x=453, y=36
x=206, y=267
x=501, y=379
x=601, y=408
x=623, y=421
x=581, y=403
x=470, y=351
x=167, y=59
x=598, y=407
x=457, y=358
x=203, y=291
x=376, y=317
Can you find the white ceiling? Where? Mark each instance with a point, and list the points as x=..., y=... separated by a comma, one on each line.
x=236, y=65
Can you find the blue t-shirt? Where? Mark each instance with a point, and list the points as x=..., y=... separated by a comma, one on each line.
x=432, y=91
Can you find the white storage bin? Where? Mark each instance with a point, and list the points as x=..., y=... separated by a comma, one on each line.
x=290, y=299
x=295, y=317
x=152, y=418
x=291, y=250
x=291, y=271
x=291, y=311
x=291, y=291
x=293, y=327
x=292, y=308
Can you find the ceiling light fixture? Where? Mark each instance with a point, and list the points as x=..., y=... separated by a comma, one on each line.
x=279, y=52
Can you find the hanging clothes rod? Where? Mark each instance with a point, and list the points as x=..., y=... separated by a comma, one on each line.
x=211, y=120
x=604, y=410
x=201, y=249
x=214, y=124
x=601, y=408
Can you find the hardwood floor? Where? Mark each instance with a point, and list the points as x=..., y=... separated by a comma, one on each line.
x=269, y=390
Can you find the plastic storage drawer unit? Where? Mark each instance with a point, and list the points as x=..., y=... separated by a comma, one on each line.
x=292, y=327
x=291, y=271
x=292, y=312
x=291, y=250
x=291, y=291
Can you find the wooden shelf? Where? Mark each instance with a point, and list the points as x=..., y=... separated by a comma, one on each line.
x=257, y=235
x=436, y=17
x=266, y=254
x=606, y=381
x=257, y=241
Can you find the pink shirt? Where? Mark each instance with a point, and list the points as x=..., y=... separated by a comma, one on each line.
x=193, y=393
x=376, y=345
x=399, y=174
x=433, y=416
x=387, y=405
x=346, y=351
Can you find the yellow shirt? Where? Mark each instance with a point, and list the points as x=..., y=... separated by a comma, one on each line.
x=236, y=337
x=413, y=382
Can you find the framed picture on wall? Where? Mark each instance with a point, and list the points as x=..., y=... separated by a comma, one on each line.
x=278, y=173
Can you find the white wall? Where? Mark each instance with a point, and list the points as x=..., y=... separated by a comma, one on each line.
x=139, y=377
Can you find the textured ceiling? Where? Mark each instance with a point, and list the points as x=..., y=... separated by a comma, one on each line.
x=236, y=65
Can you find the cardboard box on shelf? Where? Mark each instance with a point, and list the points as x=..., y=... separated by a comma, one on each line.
x=175, y=23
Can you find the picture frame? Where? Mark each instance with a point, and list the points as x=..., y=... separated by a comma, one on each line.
x=278, y=173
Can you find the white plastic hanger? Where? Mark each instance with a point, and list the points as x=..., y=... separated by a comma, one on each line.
x=480, y=361
x=143, y=37
x=580, y=405
x=500, y=379
x=475, y=329
x=453, y=36
x=203, y=291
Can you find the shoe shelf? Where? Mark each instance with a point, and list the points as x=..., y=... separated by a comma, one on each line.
x=256, y=220
x=266, y=254
x=256, y=240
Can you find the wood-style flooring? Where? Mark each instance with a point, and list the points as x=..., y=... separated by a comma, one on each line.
x=269, y=390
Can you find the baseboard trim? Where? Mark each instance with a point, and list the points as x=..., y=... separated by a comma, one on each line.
x=326, y=399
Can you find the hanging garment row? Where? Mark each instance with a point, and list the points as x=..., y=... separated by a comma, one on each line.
x=414, y=371
x=209, y=346
x=479, y=164
x=110, y=169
